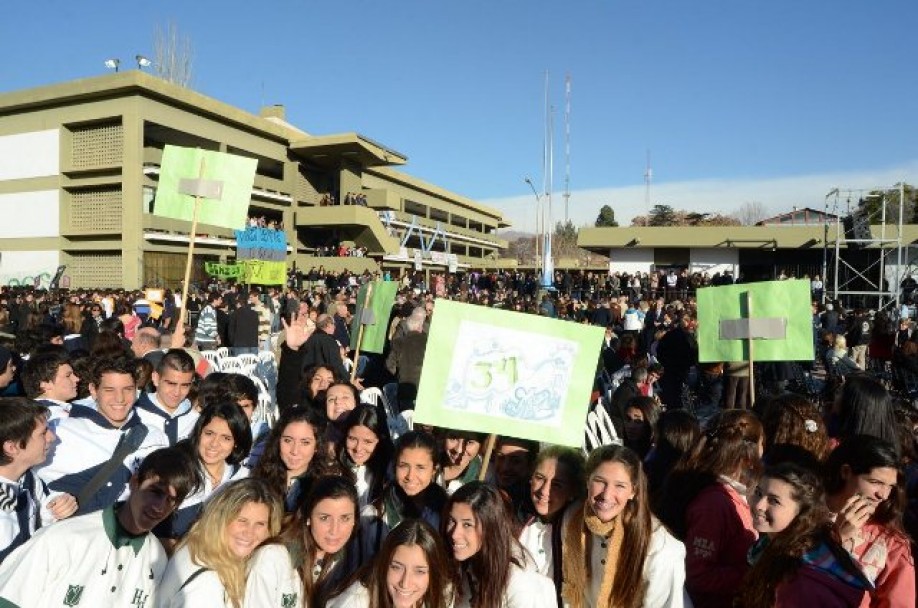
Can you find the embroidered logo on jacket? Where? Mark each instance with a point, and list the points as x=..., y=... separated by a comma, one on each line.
x=288, y=600
x=73, y=595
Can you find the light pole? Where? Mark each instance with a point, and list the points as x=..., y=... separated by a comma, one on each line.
x=538, y=214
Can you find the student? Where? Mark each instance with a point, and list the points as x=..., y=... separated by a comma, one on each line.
x=367, y=450
x=301, y=566
x=412, y=494
x=293, y=454
x=557, y=481
x=513, y=462
x=219, y=442
x=25, y=502
x=412, y=570
x=169, y=409
x=704, y=504
x=340, y=399
x=492, y=568
x=209, y=568
x=796, y=561
x=460, y=461
x=49, y=379
x=106, y=558
x=614, y=552
x=863, y=493
x=90, y=460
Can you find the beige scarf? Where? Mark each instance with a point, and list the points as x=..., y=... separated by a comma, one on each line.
x=576, y=551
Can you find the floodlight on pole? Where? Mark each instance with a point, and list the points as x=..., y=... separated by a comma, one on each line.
x=113, y=63
x=142, y=62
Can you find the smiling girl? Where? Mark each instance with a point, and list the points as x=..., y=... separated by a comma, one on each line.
x=289, y=461
x=863, y=493
x=615, y=553
x=300, y=566
x=366, y=451
x=796, y=562
x=208, y=570
x=492, y=567
x=219, y=441
x=411, y=571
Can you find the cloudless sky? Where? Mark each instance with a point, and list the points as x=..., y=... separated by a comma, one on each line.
x=716, y=89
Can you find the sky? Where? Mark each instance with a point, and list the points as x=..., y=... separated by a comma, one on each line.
x=736, y=101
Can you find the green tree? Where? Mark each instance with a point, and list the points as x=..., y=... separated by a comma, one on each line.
x=564, y=240
x=662, y=215
x=871, y=205
x=606, y=218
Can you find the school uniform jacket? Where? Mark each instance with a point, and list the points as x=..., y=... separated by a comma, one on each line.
x=273, y=582
x=175, y=426
x=178, y=524
x=85, y=442
x=88, y=561
x=21, y=511
x=189, y=585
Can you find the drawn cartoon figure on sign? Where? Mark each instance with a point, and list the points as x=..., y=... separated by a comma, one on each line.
x=504, y=372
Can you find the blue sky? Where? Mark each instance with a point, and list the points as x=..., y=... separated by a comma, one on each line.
x=738, y=101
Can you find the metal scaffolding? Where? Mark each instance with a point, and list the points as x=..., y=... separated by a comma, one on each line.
x=861, y=260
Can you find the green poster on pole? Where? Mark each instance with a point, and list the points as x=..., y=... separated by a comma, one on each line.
x=233, y=176
x=381, y=300
x=781, y=322
x=507, y=373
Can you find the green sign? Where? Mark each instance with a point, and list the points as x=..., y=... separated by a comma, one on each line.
x=223, y=271
x=236, y=174
x=374, y=334
x=259, y=272
x=508, y=373
x=780, y=322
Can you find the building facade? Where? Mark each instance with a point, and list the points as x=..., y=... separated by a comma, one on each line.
x=79, y=165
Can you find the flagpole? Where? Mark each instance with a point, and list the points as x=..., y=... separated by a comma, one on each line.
x=751, y=357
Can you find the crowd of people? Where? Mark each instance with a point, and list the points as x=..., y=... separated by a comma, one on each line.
x=134, y=474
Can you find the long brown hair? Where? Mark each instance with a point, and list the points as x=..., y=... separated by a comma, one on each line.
x=297, y=537
x=732, y=441
x=499, y=551
x=629, y=586
x=782, y=556
x=410, y=533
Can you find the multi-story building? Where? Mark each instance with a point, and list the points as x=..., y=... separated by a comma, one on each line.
x=79, y=163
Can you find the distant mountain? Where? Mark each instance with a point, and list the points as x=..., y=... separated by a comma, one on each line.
x=512, y=235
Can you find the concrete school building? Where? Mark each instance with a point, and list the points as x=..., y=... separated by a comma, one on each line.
x=79, y=164
x=761, y=252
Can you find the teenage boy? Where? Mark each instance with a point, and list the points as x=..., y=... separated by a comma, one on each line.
x=169, y=409
x=25, y=502
x=106, y=558
x=100, y=446
x=49, y=379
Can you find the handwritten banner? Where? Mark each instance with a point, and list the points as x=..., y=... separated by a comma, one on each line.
x=502, y=372
x=223, y=271
x=260, y=272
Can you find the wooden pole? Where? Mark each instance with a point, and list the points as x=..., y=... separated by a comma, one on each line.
x=489, y=449
x=366, y=302
x=186, y=287
x=751, y=356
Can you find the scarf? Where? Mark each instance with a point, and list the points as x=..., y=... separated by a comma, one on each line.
x=576, y=551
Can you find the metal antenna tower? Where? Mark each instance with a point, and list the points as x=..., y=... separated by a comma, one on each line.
x=648, y=179
x=567, y=146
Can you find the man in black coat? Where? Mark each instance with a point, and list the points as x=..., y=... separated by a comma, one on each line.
x=678, y=352
x=243, y=328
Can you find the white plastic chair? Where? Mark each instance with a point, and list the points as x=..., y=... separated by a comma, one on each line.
x=231, y=365
x=264, y=410
x=267, y=357
x=398, y=426
x=223, y=352
x=215, y=360
x=408, y=417
x=599, y=429
x=248, y=359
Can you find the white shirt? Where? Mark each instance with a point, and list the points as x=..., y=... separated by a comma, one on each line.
x=87, y=561
x=204, y=591
x=273, y=582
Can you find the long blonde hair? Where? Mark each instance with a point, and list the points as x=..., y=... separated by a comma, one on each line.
x=206, y=540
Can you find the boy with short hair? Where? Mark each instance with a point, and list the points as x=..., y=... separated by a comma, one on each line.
x=106, y=558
